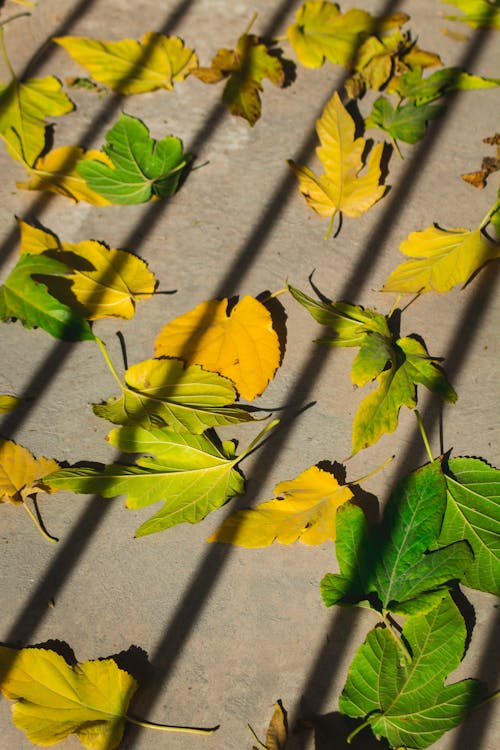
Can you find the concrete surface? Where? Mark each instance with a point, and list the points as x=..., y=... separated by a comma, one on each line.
x=217, y=634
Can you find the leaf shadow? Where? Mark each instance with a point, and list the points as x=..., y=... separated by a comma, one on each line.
x=279, y=318
x=134, y=661
x=332, y=731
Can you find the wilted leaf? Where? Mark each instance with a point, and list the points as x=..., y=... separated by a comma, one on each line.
x=23, y=298
x=140, y=166
x=440, y=259
x=243, y=346
x=411, y=85
x=340, y=189
x=277, y=732
x=304, y=509
x=132, y=67
x=8, y=403
x=245, y=67
x=24, y=107
x=190, y=473
x=161, y=392
x=480, y=14
x=473, y=513
x=489, y=165
x=407, y=122
x=407, y=702
x=21, y=474
x=57, y=172
x=389, y=567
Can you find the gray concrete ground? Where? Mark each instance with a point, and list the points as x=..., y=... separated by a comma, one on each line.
x=217, y=634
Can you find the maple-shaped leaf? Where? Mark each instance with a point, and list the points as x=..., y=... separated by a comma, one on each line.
x=21, y=474
x=140, y=166
x=57, y=173
x=8, y=403
x=340, y=188
x=398, y=364
x=101, y=282
x=277, y=731
x=473, y=513
x=24, y=107
x=245, y=68
x=406, y=122
x=189, y=472
x=480, y=14
x=412, y=84
x=441, y=259
x=28, y=300
x=160, y=392
x=389, y=567
x=243, y=346
x=131, y=67
x=304, y=509
x=406, y=701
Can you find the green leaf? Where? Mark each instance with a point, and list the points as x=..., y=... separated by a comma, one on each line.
x=407, y=702
x=406, y=123
x=473, y=513
x=411, y=85
x=480, y=14
x=142, y=167
x=161, y=392
x=392, y=561
x=23, y=298
x=189, y=472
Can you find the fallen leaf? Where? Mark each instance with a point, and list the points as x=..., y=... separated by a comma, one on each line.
x=8, y=403
x=189, y=472
x=304, y=509
x=132, y=67
x=390, y=567
x=412, y=85
x=161, y=392
x=489, y=165
x=57, y=173
x=139, y=167
x=407, y=702
x=24, y=107
x=457, y=36
x=340, y=189
x=480, y=14
x=21, y=474
x=277, y=732
x=245, y=67
x=473, y=513
x=243, y=346
x=23, y=298
x=406, y=122
x=440, y=259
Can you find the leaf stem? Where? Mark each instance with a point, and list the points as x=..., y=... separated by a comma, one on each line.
x=330, y=225
x=45, y=534
x=3, y=50
x=264, y=747
x=273, y=295
x=396, y=148
x=250, y=23
x=256, y=440
x=168, y=728
x=488, y=698
x=375, y=471
x=490, y=214
x=108, y=361
x=358, y=730
x=13, y=18
x=424, y=435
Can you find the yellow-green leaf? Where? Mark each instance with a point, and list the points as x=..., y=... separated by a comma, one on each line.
x=132, y=67
x=440, y=259
x=340, y=189
x=245, y=67
x=480, y=14
x=8, y=403
x=54, y=700
x=57, y=173
x=23, y=109
x=304, y=509
x=21, y=474
x=243, y=346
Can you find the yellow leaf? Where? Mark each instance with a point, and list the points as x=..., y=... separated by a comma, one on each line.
x=8, y=403
x=277, y=733
x=35, y=240
x=54, y=700
x=243, y=346
x=23, y=109
x=340, y=188
x=440, y=259
x=132, y=67
x=21, y=474
x=57, y=173
x=305, y=508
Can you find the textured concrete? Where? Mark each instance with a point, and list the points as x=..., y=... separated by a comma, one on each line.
x=217, y=634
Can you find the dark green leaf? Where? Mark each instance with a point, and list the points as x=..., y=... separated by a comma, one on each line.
x=406, y=123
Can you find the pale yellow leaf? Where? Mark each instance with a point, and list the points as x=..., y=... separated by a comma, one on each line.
x=57, y=173
x=21, y=474
x=132, y=67
x=440, y=259
x=35, y=240
x=8, y=403
x=243, y=346
x=304, y=509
